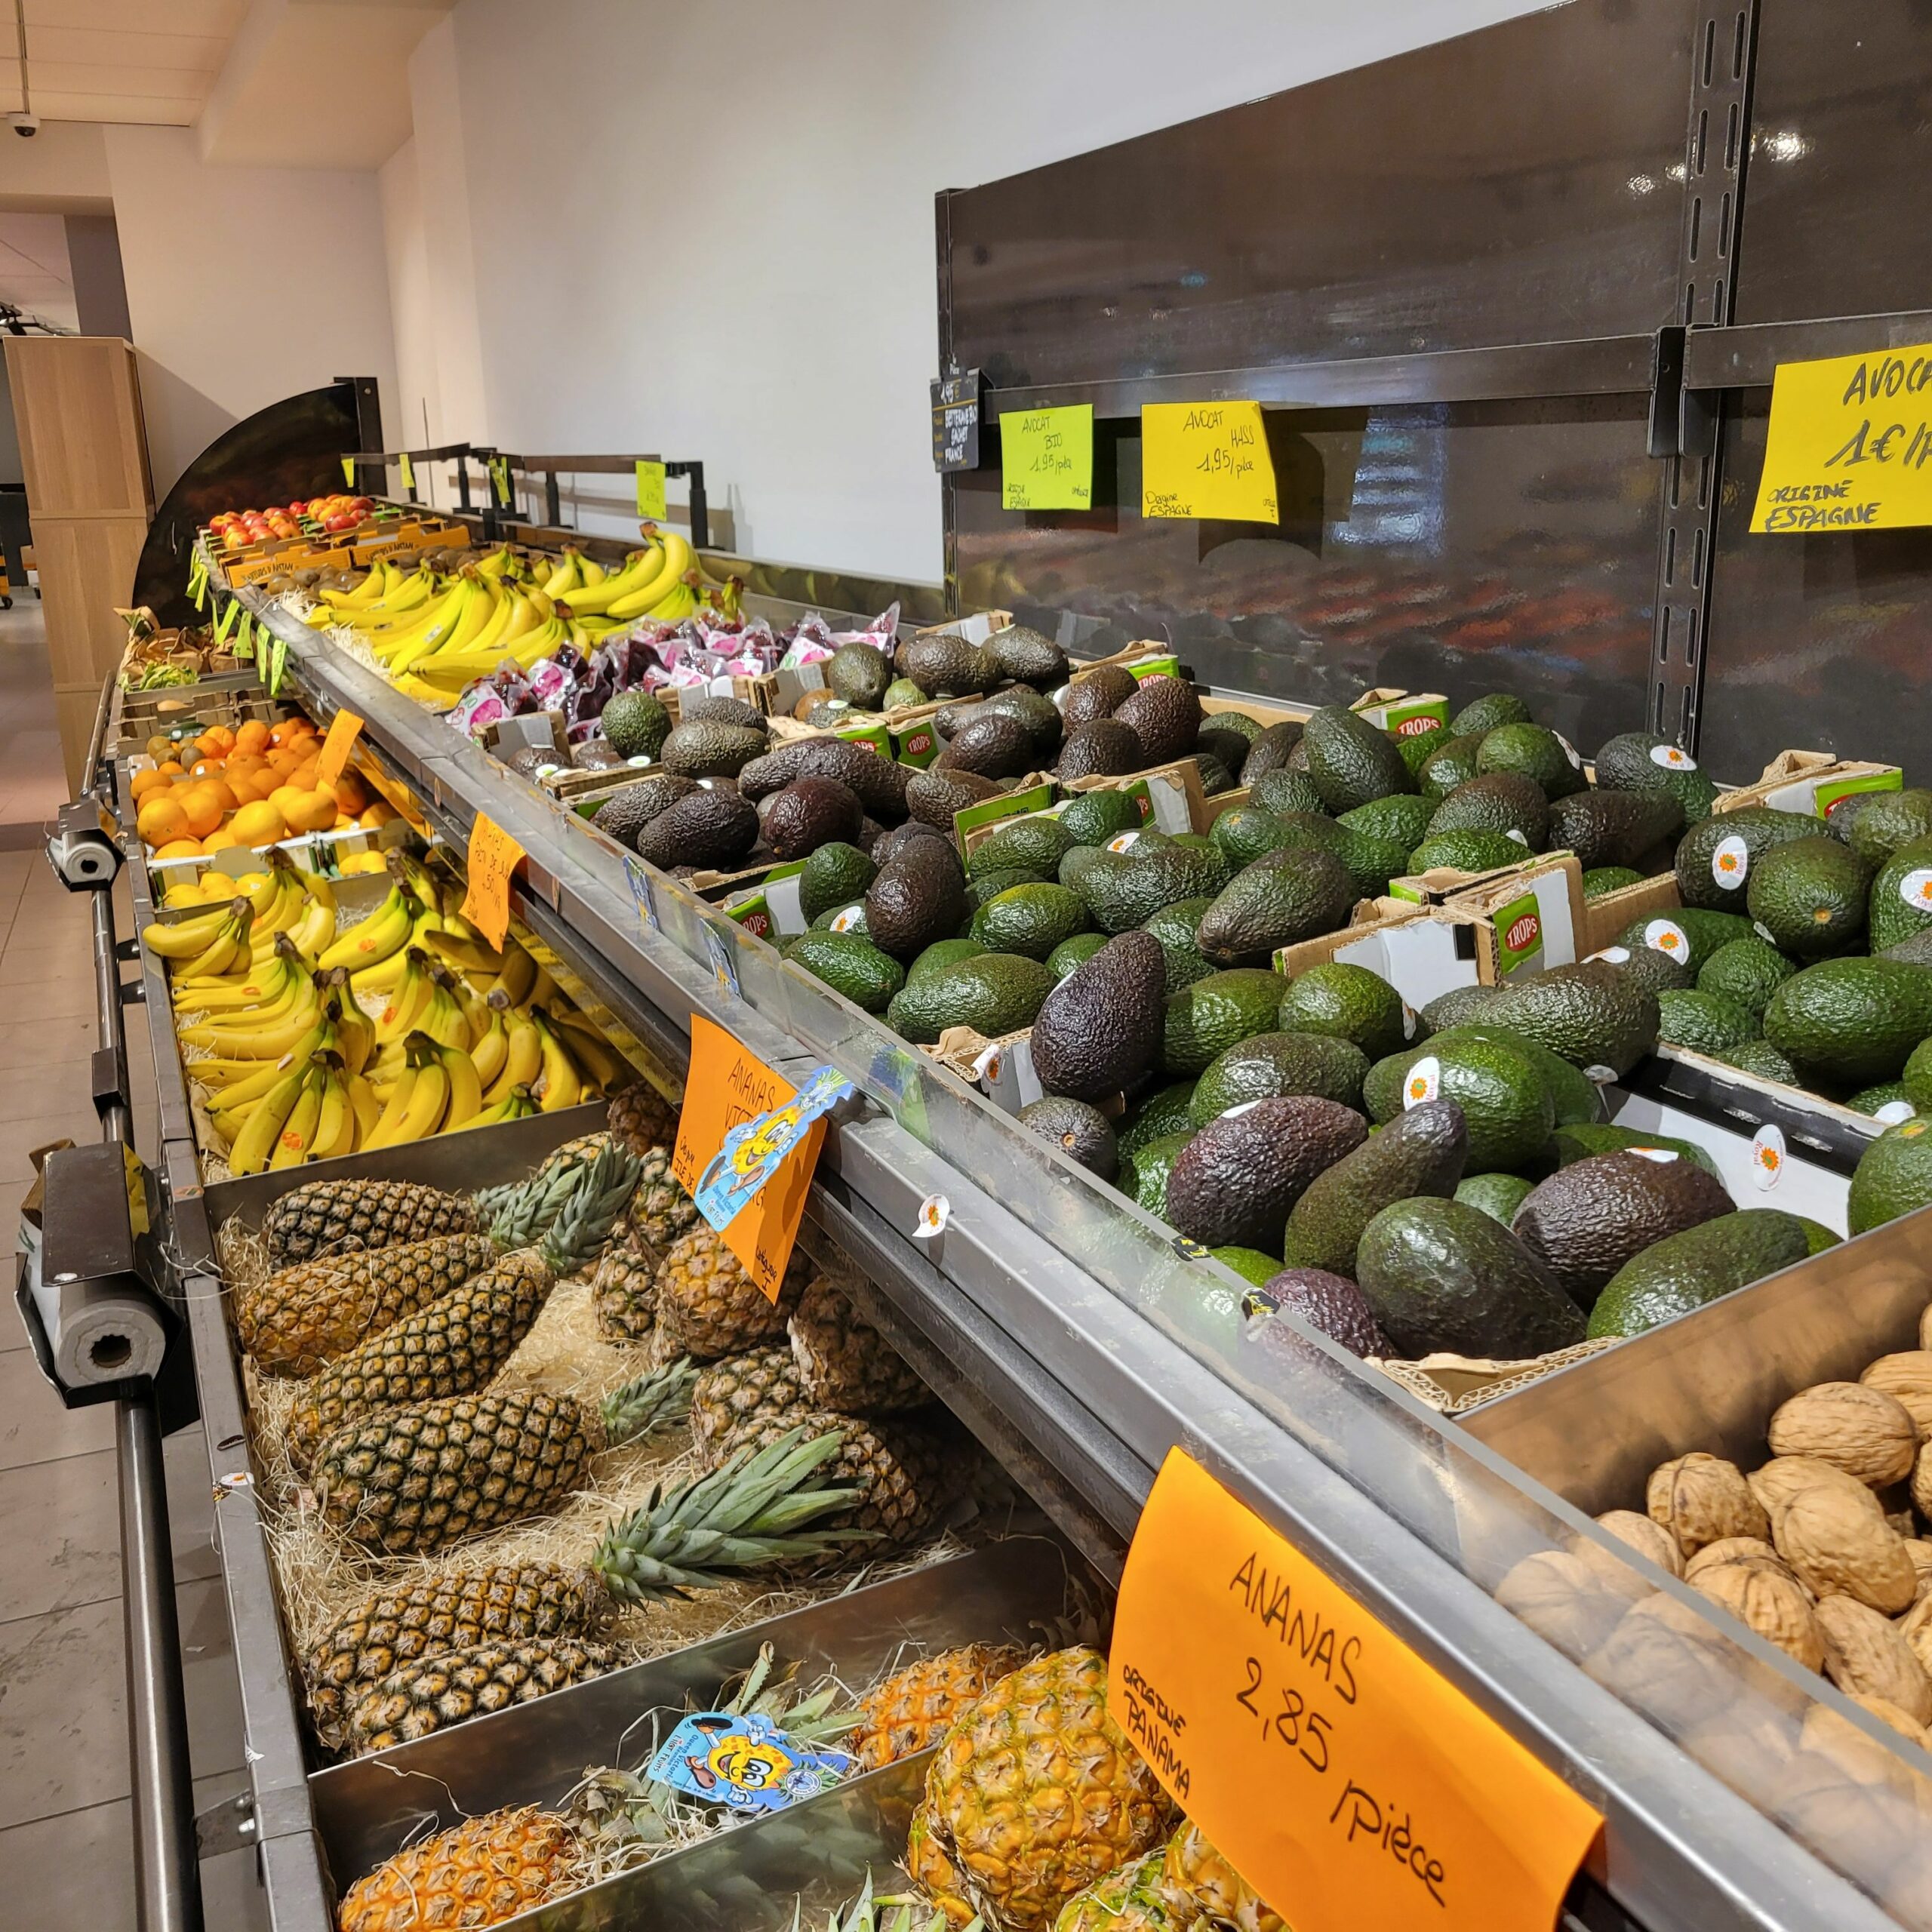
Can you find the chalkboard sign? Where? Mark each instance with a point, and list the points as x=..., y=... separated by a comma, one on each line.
x=956, y=421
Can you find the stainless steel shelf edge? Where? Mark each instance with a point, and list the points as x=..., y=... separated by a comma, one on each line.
x=1747, y=355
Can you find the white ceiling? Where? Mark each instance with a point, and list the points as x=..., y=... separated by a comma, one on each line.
x=140, y=60
x=34, y=274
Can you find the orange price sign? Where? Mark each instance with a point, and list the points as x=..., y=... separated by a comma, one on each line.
x=726, y=1085
x=493, y=858
x=332, y=759
x=1348, y=1782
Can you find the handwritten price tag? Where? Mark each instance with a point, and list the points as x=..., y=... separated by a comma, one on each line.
x=651, y=491
x=493, y=858
x=499, y=481
x=1392, y=1801
x=278, y=664
x=348, y=473
x=332, y=759
x=727, y=1087
x=1046, y=459
x=1207, y=459
x=1850, y=444
x=408, y=469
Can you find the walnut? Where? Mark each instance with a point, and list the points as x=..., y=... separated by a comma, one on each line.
x=1861, y=1758
x=1925, y=1328
x=1781, y=1478
x=1836, y=1814
x=1750, y=1550
x=1702, y=1498
x=1743, y=1746
x=1562, y=1599
x=1921, y=1481
x=1864, y=1432
x=1920, y=1551
x=1915, y=1627
x=1906, y=1378
x=1640, y=1533
x=1835, y=1547
x=1666, y=1659
x=1768, y=1598
x=1867, y=1656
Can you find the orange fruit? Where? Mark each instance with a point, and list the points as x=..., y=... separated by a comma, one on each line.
x=226, y=736
x=203, y=809
x=351, y=793
x=171, y=768
x=220, y=841
x=253, y=738
x=375, y=817
x=223, y=792
x=308, y=811
x=206, y=767
x=208, y=745
x=144, y=781
x=162, y=819
x=303, y=777
x=180, y=848
x=257, y=823
x=282, y=761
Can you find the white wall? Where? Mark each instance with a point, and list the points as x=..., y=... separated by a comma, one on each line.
x=412, y=309
x=244, y=285
x=710, y=231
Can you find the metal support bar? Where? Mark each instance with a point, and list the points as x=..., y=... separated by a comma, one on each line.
x=1748, y=357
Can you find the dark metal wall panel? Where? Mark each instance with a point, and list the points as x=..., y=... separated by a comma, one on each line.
x=1518, y=185
x=1461, y=548
x=1836, y=213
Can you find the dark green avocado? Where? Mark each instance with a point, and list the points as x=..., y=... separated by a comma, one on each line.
x=860, y=674
x=1498, y=1195
x=1272, y=1066
x=1284, y=793
x=1536, y=753
x=1507, y=1110
x=1900, y=906
x=1098, y=1030
x=708, y=750
x=636, y=724
x=1746, y=971
x=1715, y=855
x=1490, y=712
x=1269, y=754
x=1421, y=1151
x=1894, y=1177
x=1032, y=919
x=1350, y=1003
x=849, y=965
x=1285, y=897
x=1687, y=1271
x=710, y=830
x=624, y=814
x=1809, y=896
x=1164, y=1111
x=1349, y=761
x=1640, y=761
x=1591, y=1014
x=1500, y=801
x=1851, y=1022
x=1234, y=1182
x=1177, y=928
x=1703, y=1023
x=1080, y=1132
x=835, y=874
x=1612, y=828
x=1203, y=1020
x=994, y=993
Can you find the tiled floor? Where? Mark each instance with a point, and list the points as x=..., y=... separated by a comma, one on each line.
x=66, y=1848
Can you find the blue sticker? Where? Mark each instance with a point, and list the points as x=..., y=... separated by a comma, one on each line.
x=724, y=968
x=754, y=1149
x=642, y=896
x=744, y=1763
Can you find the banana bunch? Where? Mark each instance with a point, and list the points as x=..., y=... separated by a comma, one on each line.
x=226, y=945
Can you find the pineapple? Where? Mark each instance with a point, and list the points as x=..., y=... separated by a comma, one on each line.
x=733, y=1394
x=1193, y=1871
x=624, y=1289
x=407, y=1622
x=1035, y=1792
x=336, y=1216
x=457, y=1344
x=477, y=1873
x=640, y=1119
x=660, y=1210
x=708, y=1305
x=436, y=1692
x=930, y=1867
x=1129, y=1898
x=541, y=1197
x=294, y=1320
x=844, y=1362
x=867, y=1914
x=916, y=1707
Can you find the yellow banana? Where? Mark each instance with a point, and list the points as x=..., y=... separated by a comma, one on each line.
x=680, y=603
x=542, y=989
x=465, y=1100
x=441, y=1018
x=384, y=932
x=397, y=1019
x=368, y=1109
x=460, y=621
x=228, y=948
x=267, y=1041
x=567, y=576
x=465, y=952
x=673, y=560
x=318, y=889
x=591, y=1050
x=639, y=569
x=429, y=1096
x=313, y=931
x=490, y=1047
x=254, y=991
x=591, y=572
x=523, y=1057
x=514, y=1106
x=562, y=1087
x=240, y=1094
x=183, y=938
x=497, y=564
x=296, y=1142
x=518, y=974
x=256, y=1142
x=335, y=1124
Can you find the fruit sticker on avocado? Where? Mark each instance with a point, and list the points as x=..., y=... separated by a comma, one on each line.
x=1410, y=1019
x=746, y=1764
x=1423, y=1082
x=987, y=1066
x=1663, y=1156
x=1569, y=751
x=1617, y=955
x=1516, y=836
x=1767, y=1155
x=1122, y=841
x=1916, y=889
x=844, y=921
x=1731, y=862
x=1667, y=937
x=935, y=1211
x=1671, y=758
x=1600, y=1075
x=1893, y=1112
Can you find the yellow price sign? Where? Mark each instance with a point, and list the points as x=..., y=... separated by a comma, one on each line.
x=332, y=759
x=1351, y=1786
x=1046, y=459
x=492, y=860
x=1850, y=444
x=651, y=491
x=408, y=469
x=1207, y=459
x=348, y=473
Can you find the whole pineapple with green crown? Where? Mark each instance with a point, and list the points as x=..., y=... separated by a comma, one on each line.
x=643, y=1120
x=1131, y=1898
x=662, y=1212
x=339, y=1217
x=708, y=1306
x=742, y=1391
x=844, y=1362
x=448, y=1689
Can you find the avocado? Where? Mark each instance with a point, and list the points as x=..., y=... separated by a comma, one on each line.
x=1330, y=1304
x=850, y=966
x=1091, y=818
x=708, y=750
x=881, y=783
x=1885, y=1094
x=1458, y=1007
x=889, y=844
x=1347, y=1003
x=1079, y=861
x=624, y=814
x=849, y=917
x=1488, y=713
x=707, y=708
x=1034, y=844
x=1177, y=927
x=1686, y=933
x=1901, y=900
x=1104, y=749
x=1371, y=863
x=1417, y=748
x=1808, y=896
x=1027, y=656
x=1850, y=1023
x=1468, y=851
x=1272, y=1066
x=1576, y=1097
x=1201, y=1021
x=810, y=813
x=937, y=796
x=1759, y=1058
x=1234, y=1182
x=1703, y=1023
x=1099, y=1029
x=1032, y=919
x=1281, y=899
x=941, y=954
x=859, y=673
x=1122, y=889
x=1451, y=765
x=901, y=694
x=1215, y=777
x=1588, y=1219
x=1894, y=1177
x=1269, y=753
x=1579, y=1142
x=1144, y=1174
x=1245, y=833
x=835, y=874
x=1640, y=761
x=950, y=718
x=1250, y=1263
x=1506, y=1105
x=1286, y=794
x=636, y=724
x=1072, y=952
x=1040, y=715
x=1591, y=1014
x=1402, y=820
x=1498, y=1195
x=1649, y=967
x=1686, y=1271
x=913, y=902
x=1166, y=1110
x=1534, y=752
x=1746, y=972
x=1599, y=881
x=1349, y=761
x=1228, y=736
x=944, y=664
x=990, y=885
x=994, y=994
x=1503, y=802
x=709, y=830
x=1081, y=1133
x=1421, y=1151
x=1097, y=694
x=1884, y=821
x=1441, y=1276
x=1605, y=828
x=993, y=745
x=1715, y=856
x=1165, y=714
x=1917, y=1077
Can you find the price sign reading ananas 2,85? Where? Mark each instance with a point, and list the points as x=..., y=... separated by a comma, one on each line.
x=1351, y=1786
x=1849, y=445
x=1207, y=459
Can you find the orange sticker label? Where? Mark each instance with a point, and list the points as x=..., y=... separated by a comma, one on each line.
x=332, y=759
x=726, y=1085
x=1347, y=1781
x=493, y=860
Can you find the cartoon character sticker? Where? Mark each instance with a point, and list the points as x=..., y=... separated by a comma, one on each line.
x=754, y=1149
x=747, y=1764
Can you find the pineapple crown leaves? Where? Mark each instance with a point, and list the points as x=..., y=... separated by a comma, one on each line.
x=652, y=1401
x=910, y=1914
x=748, y=1512
x=601, y=1192
x=520, y=1213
